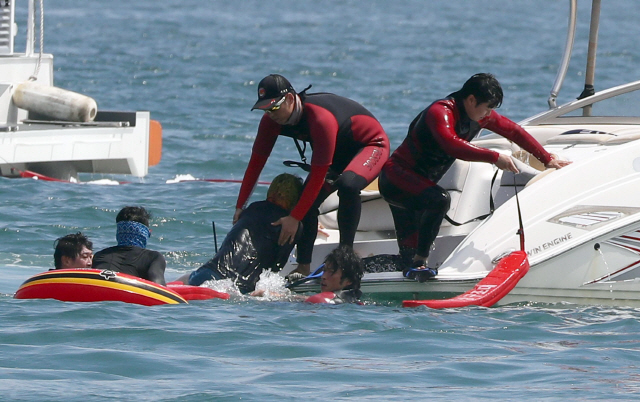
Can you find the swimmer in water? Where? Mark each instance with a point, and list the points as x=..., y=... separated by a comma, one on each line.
x=74, y=250
x=131, y=255
x=252, y=246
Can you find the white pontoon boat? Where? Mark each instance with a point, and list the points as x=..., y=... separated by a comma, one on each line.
x=57, y=133
x=581, y=223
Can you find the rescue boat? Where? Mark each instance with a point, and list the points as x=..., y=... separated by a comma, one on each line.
x=582, y=222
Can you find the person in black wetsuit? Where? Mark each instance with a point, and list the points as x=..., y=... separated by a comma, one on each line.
x=251, y=246
x=130, y=256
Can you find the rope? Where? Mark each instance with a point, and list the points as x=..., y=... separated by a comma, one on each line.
x=36, y=71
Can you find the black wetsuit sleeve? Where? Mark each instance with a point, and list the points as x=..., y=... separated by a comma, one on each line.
x=156, y=269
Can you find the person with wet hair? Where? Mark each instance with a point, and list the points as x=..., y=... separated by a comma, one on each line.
x=131, y=255
x=341, y=276
x=439, y=135
x=74, y=250
x=342, y=272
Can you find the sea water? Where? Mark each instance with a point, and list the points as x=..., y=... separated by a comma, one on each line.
x=195, y=65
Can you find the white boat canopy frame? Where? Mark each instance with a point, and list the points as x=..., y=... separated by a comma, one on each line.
x=589, y=88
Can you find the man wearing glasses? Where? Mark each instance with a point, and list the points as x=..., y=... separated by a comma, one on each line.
x=349, y=148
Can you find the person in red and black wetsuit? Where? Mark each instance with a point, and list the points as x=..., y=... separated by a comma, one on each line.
x=349, y=148
x=438, y=136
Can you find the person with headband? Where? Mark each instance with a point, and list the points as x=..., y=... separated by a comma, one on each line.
x=131, y=256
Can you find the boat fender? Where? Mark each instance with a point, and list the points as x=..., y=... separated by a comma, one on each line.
x=321, y=298
x=55, y=103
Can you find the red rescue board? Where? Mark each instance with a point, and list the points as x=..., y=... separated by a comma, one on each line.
x=497, y=284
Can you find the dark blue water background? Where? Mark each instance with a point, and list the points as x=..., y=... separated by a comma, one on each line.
x=195, y=65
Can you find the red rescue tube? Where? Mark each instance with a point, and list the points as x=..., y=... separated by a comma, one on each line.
x=324, y=297
x=94, y=285
x=196, y=292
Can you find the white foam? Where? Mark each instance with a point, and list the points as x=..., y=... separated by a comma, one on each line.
x=181, y=177
x=102, y=182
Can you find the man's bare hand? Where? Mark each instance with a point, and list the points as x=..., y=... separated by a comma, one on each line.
x=289, y=228
x=557, y=164
x=505, y=162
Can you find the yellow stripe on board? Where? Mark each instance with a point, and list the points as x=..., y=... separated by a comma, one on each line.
x=105, y=284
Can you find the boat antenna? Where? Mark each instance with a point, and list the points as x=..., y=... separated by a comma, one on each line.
x=520, y=231
x=215, y=237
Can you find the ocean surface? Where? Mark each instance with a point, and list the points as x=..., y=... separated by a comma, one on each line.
x=195, y=65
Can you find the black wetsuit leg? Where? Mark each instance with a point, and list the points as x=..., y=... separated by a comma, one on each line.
x=310, y=227
x=427, y=205
x=349, y=185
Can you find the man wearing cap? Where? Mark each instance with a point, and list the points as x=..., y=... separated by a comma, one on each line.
x=349, y=148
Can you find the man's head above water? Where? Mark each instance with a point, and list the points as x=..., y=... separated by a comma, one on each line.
x=73, y=251
x=285, y=190
x=342, y=269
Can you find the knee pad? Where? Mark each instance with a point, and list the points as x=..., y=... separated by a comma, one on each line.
x=437, y=198
x=350, y=183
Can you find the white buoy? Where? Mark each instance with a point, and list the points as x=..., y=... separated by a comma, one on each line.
x=55, y=103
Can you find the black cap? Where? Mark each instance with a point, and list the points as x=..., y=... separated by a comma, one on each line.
x=271, y=89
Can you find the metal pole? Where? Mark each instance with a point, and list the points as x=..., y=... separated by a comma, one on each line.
x=31, y=28
x=215, y=237
x=566, y=57
x=590, y=74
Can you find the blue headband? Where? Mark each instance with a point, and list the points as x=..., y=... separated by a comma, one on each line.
x=130, y=233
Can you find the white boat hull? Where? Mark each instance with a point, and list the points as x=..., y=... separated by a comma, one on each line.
x=581, y=223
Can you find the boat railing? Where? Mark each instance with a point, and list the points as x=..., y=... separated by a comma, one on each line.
x=7, y=27
x=550, y=116
x=566, y=57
